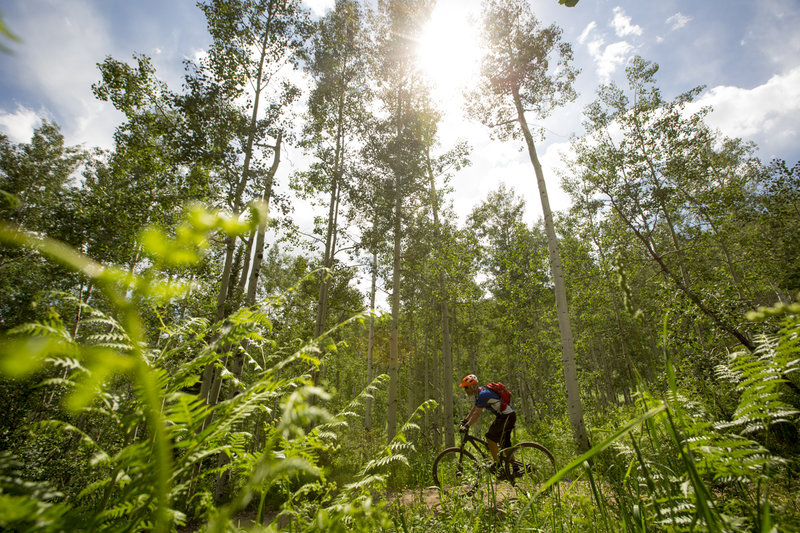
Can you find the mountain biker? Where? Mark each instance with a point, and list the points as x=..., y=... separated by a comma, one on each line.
x=504, y=421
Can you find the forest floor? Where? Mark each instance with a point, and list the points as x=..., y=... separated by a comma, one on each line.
x=245, y=519
x=430, y=497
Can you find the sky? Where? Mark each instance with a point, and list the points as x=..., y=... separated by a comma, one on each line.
x=746, y=53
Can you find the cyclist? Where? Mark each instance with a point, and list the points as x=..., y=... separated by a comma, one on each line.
x=504, y=421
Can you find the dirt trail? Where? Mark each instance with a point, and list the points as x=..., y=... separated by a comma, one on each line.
x=431, y=497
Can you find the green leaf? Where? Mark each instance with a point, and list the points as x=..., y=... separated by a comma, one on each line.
x=22, y=357
x=101, y=363
x=16, y=509
x=12, y=200
x=6, y=33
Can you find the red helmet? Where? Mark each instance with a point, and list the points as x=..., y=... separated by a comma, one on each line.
x=468, y=381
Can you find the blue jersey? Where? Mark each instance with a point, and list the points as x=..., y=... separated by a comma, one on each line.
x=489, y=399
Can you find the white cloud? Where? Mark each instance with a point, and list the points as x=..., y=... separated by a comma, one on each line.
x=319, y=7
x=62, y=44
x=585, y=35
x=198, y=55
x=498, y=162
x=608, y=58
x=622, y=24
x=62, y=58
x=19, y=125
x=492, y=163
x=678, y=21
x=768, y=114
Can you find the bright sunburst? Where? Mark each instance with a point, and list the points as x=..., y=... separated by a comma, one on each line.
x=448, y=49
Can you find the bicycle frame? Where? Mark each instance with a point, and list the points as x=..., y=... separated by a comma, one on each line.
x=482, y=450
x=510, y=467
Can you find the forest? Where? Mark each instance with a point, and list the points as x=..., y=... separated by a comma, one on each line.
x=177, y=355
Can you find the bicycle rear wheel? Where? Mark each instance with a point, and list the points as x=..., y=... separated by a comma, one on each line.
x=456, y=470
x=531, y=467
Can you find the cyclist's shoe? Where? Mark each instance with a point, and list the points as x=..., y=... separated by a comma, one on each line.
x=498, y=471
x=517, y=470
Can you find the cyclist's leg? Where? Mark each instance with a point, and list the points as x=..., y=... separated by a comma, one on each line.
x=505, y=438
x=494, y=449
x=494, y=436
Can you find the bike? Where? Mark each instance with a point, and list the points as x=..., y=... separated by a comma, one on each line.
x=459, y=469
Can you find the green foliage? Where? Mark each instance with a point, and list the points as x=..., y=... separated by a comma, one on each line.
x=666, y=464
x=759, y=376
x=26, y=505
x=155, y=469
x=191, y=234
x=778, y=225
x=5, y=33
x=525, y=68
x=682, y=462
x=396, y=451
x=40, y=194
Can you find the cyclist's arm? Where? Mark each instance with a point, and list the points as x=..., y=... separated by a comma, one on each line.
x=473, y=415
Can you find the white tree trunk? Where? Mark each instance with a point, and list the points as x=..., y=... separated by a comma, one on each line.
x=574, y=405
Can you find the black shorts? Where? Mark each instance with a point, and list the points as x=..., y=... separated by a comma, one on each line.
x=500, y=430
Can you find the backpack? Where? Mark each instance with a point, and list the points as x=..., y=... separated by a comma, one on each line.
x=503, y=392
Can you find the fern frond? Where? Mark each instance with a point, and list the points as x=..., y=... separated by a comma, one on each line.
x=758, y=377
x=51, y=382
x=39, y=329
x=384, y=461
x=68, y=363
x=365, y=483
x=328, y=435
x=368, y=392
x=120, y=510
x=98, y=317
x=183, y=464
x=185, y=411
x=231, y=413
x=95, y=487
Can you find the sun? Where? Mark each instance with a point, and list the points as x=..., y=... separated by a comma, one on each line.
x=448, y=50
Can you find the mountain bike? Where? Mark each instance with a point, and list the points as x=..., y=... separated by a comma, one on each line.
x=459, y=469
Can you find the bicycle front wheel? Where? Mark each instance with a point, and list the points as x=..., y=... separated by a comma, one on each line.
x=456, y=470
x=531, y=465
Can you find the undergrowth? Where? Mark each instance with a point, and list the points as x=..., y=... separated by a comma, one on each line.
x=665, y=463
x=123, y=442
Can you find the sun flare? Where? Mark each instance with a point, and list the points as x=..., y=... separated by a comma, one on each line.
x=448, y=49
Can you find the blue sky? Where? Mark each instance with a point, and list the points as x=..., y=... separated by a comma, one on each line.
x=746, y=52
